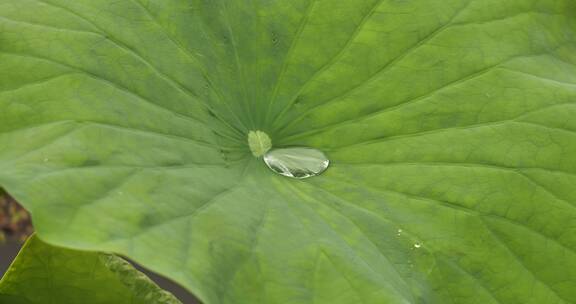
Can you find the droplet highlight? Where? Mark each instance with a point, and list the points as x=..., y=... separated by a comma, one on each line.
x=297, y=162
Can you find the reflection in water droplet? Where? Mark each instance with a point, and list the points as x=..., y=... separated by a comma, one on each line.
x=417, y=245
x=297, y=162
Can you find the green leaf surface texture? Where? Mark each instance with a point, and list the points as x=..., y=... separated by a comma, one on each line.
x=449, y=126
x=44, y=274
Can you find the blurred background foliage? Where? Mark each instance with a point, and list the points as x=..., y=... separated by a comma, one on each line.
x=15, y=221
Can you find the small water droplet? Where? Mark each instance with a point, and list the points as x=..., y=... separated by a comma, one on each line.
x=417, y=245
x=297, y=162
x=399, y=231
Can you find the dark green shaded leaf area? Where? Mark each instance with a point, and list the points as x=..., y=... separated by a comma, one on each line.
x=46, y=274
x=449, y=126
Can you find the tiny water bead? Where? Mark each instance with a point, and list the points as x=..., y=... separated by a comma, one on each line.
x=294, y=162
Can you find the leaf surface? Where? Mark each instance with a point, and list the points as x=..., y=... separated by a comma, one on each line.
x=448, y=125
x=46, y=274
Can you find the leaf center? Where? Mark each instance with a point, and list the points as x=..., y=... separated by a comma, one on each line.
x=259, y=143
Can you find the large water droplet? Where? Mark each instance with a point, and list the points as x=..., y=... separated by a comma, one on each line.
x=297, y=162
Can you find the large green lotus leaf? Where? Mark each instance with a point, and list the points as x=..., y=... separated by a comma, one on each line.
x=449, y=126
x=44, y=274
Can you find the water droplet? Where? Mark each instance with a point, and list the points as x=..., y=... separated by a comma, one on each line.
x=399, y=231
x=417, y=245
x=297, y=162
